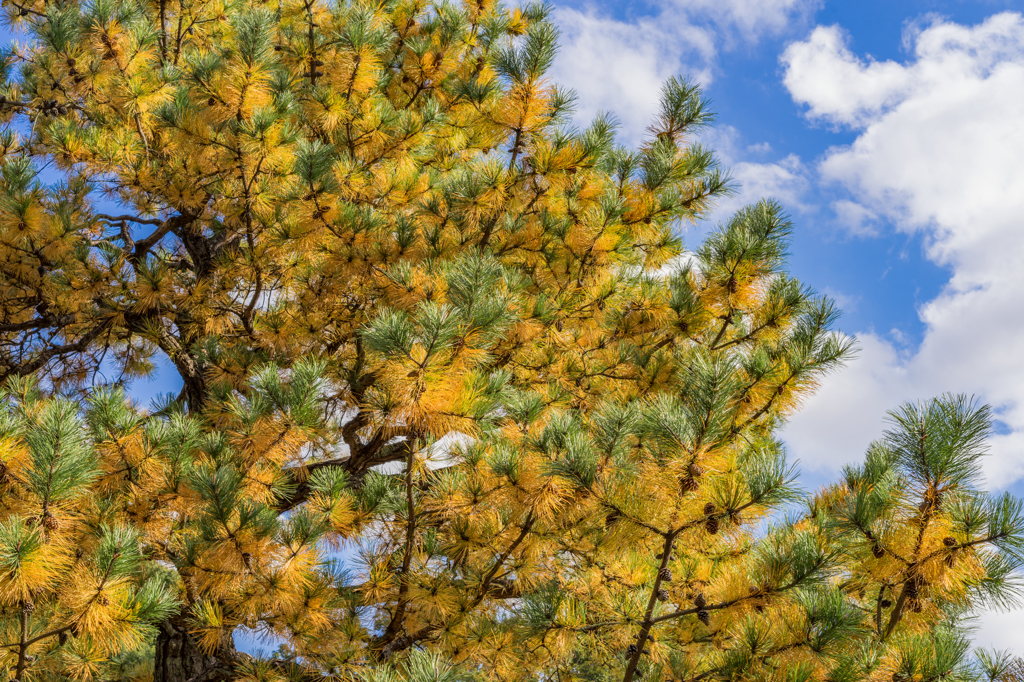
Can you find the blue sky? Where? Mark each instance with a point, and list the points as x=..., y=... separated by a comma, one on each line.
x=894, y=133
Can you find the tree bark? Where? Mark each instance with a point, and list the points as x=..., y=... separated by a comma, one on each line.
x=178, y=657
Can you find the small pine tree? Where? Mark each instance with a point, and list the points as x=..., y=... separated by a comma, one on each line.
x=922, y=544
x=77, y=594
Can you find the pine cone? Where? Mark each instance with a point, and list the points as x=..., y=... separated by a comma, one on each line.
x=688, y=485
x=709, y=509
x=212, y=102
x=711, y=526
x=28, y=607
x=699, y=601
x=662, y=594
x=665, y=574
x=50, y=522
x=704, y=617
x=631, y=650
x=104, y=600
x=948, y=541
x=695, y=470
x=878, y=551
x=886, y=603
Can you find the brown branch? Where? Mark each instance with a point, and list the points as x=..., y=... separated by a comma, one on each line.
x=410, y=534
x=648, y=623
x=355, y=466
x=23, y=644
x=130, y=219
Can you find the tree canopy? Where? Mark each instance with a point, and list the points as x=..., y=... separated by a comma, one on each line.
x=456, y=401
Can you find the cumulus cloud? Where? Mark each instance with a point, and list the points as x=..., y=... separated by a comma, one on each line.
x=619, y=66
x=938, y=152
x=750, y=18
x=846, y=302
x=788, y=180
x=998, y=630
x=824, y=74
x=855, y=219
x=785, y=180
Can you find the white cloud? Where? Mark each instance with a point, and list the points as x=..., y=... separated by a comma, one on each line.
x=846, y=302
x=855, y=219
x=837, y=424
x=822, y=73
x=787, y=181
x=842, y=88
x=998, y=630
x=938, y=152
x=751, y=18
x=619, y=66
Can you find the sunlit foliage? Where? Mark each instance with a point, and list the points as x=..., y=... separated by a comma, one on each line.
x=455, y=399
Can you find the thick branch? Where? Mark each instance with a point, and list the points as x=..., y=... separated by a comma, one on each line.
x=356, y=467
x=648, y=623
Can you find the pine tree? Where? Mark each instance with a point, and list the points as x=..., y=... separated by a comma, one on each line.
x=421, y=319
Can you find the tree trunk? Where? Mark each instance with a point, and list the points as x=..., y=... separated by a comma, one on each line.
x=178, y=657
